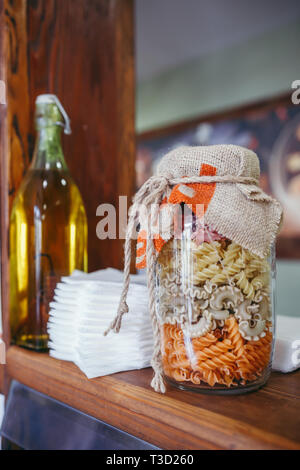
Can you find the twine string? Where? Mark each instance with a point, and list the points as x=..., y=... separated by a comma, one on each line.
x=150, y=195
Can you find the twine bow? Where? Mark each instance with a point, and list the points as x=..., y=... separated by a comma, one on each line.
x=151, y=194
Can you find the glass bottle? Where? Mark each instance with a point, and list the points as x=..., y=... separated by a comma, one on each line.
x=215, y=306
x=48, y=229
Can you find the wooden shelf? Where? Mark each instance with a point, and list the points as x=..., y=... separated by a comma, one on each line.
x=267, y=419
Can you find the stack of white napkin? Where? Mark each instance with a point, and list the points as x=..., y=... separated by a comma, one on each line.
x=82, y=309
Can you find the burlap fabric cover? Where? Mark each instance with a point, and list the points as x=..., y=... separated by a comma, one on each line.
x=241, y=212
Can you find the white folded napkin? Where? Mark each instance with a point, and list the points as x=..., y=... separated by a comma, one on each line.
x=82, y=309
x=287, y=344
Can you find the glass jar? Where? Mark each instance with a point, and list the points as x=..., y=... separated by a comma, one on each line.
x=215, y=308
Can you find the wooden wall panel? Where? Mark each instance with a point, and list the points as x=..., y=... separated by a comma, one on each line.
x=83, y=51
x=18, y=99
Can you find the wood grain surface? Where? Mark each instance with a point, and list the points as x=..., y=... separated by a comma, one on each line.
x=84, y=53
x=267, y=419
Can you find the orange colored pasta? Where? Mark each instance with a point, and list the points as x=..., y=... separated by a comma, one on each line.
x=221, y=357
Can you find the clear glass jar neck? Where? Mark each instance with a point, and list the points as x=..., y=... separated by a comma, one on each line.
x=48, y=153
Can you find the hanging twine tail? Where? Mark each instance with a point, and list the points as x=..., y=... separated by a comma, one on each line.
x=150, y=193
x=151, y=190
x=157, y=382
x=123, y=307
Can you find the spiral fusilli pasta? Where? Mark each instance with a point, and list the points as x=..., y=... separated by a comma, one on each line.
x=226, y=361
x=214, y=313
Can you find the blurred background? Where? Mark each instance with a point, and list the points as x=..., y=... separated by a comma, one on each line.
x=211, y=72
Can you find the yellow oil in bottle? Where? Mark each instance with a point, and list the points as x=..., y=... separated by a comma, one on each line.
x=48, y=239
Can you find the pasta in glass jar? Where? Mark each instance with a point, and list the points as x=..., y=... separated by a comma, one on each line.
x=206, y=232
x=215, y=311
